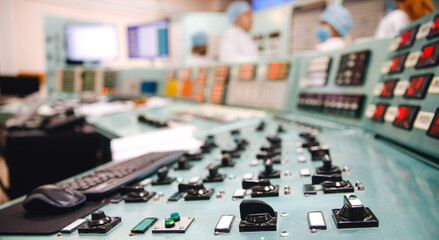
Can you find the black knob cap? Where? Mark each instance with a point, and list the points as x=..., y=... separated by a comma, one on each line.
x=274, y=140
x=213, y=170
x=250, y=183
x=251, y=210
x=260, y=127
x=319, y=178
x=226, y=160
x=268, y=164
x=162, y=173
x=98, y=218
x=182, y=163
x=280, y=129
x=235, y=132
x=190, y=187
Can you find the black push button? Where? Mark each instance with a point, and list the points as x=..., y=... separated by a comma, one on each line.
x=257, y=216
x=353, y=214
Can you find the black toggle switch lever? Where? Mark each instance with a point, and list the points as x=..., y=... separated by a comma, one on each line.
x=162, y=177
x=269, y=172
x=257, y=216
x=99, y=223
x=226, y=161
x=214, y=176
x=327, y=167
x=195, y=191
x=318, y=153
x=260, y=127
x=183, y=164
x=261, y=187
x=136, y=193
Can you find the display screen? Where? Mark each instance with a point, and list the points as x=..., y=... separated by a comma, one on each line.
x=434, y=32
x=388, y=88
x=398, y=63
x=418, y=86
x=429, y=57
x=148, y=40
x=247, y=72
x=406, y=116
x=91, y=42
x=278, y=70
x=380, y=111
x=433, y=131
x=408, y=38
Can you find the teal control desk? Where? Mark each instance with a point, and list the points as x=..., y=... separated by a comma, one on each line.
x=369, y=112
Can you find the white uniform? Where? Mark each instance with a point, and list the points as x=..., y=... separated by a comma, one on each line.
x=198, y=60
x=392, y=23
x=237, y=45
x=331, y=44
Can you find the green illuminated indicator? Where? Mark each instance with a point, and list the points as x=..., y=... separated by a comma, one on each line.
x=175, y=216
x=144, y=225
x=179, y=179
x=169, y=223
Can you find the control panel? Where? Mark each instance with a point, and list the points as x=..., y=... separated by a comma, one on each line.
x=336, y=85
x=220, y=81
x=255, y=85
x=406, y=99
x=270, y=179
x=97, y=81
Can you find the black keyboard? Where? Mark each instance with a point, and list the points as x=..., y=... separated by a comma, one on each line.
x=107, y=180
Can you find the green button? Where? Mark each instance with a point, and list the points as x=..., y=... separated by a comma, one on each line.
x=175, y=216
x=169, y=223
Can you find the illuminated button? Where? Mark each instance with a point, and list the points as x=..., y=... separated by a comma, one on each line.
x=175, y=216
x=169, y=223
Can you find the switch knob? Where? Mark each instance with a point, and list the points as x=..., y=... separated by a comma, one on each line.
x=98, y=218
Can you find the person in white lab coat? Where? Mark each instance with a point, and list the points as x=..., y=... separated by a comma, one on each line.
x=199, y=50
x=407, y=12
x=335, y=25
x=237, y=44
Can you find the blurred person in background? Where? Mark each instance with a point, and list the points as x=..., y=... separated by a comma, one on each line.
x=237, y=44
x=407, y=11
x=335, y=25
x=199, y=49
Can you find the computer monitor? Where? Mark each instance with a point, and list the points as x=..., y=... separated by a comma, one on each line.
x=11, y=86
x=91, y=42
x=148, y=40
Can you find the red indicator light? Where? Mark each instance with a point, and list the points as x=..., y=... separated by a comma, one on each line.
x=401, y=112
x=427, y=52
x=405, y=36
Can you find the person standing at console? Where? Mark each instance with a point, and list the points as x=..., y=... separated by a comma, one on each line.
x=335, y=25
x=237, y=44
x=407, y=12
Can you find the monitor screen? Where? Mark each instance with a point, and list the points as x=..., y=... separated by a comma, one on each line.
x=148, y=40
x=91, y=42
x=18, y=86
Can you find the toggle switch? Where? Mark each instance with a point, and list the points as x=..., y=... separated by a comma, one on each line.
x=261, y=188
x=280, y=129
x=195, y=191
x=99, y=223
x=269, y=172
x=260, y=127
x=318, y=153
x=136, y=193
x=274, y=140
x=162, y=177
x=214, y=176
x=227, y=161
x=353, y=214
x=327, y=167
x=183, y=164
x=257, y=216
